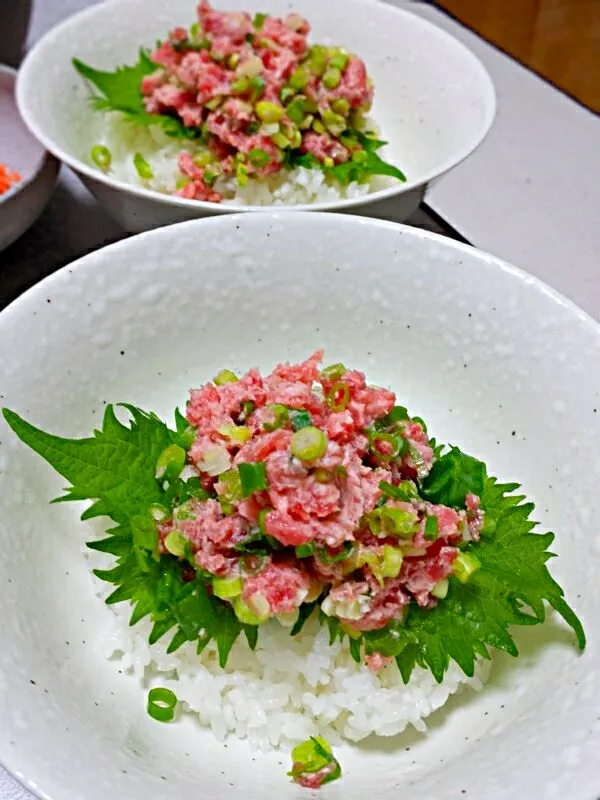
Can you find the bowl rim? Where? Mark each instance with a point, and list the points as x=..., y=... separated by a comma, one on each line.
x=46, y=156
x=79, y=166
x=232, y=220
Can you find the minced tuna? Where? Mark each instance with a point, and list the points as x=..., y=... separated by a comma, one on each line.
x=309, y=495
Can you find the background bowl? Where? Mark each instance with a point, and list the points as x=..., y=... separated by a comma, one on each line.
x=433, y=100
x=19, y=150
x=492, y=359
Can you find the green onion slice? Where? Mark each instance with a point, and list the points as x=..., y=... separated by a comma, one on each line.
x=309, y=444
x=253, y=478
x=143, y=168
x=313, y=756
x=170, y=463
x=405, y=491
x=161, y=704
x=300, y=419
x=333, y=372
x=280, y=417
x=431, y=529
x=305, y=550
x=102, y=157
x=338, y=396
x=328, y=557
x=258, y=157
x=259, y=20
x=396, y=446
x=225, y=376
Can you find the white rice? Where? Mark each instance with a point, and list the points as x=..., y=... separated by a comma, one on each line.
x=284, y=691
x=295, y=187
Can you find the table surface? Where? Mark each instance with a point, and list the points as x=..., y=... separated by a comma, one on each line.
x=541, y=159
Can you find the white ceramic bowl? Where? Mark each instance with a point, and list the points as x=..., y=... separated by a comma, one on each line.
x=495, y=361
x=19, y=150
x=433, y=99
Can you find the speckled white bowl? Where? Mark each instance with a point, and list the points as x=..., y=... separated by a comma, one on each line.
x=434, y=101
x=494, y=360
x=19, y=150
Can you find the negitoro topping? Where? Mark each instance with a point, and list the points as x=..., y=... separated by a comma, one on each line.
x=246, y=100
x=308, y=493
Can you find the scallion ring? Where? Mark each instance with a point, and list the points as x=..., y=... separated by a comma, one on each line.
x=338, y=396
x=161, y=704
x=102, y=157
x=394, y=445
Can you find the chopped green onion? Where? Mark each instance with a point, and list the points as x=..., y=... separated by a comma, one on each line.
x=318, y=127
x=170, y=463
x=159, y=512
x=420, y=422
x=241, y=175
x=175, y=543
x=182, y=182
x=360, y=156
x=280, y=417
x=305, y=550
x=194, y=487
x=286, y=94
x=214, y=102
x=233, y=60
x=246, y=615
x=194, y=29
x=102, y=157
x=236, y=433
x=248, y=407
x=333, y=372
x=161, y=704
x=259, y=20
x=332, y=78
x=317, y=62
x=253, y=478
x=240, y=85
x=309, y=444
x=328, y=557
x=299, y=78
x=440, y=590
x=295, y=110
x=341, y=471
x=322, y=475
x=313, y=756
x=388, y=521
x=431, y=529
x=339, y=61
x=396, y=443
x=464, y=565
x=142, y=167
x=391, y=563
x=258, y=157
x=232, y=490
x=338, y=397
x=269, y=112
x=226, y=588
x=405, y=491
x=225, y=376
x=257, y=85
x=300, y=418
x=341, y=106
x=328, y=161
x=280, y=140
x=335, y=123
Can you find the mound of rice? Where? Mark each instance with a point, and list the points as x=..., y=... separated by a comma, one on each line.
x=296, y=187
x=287, y=689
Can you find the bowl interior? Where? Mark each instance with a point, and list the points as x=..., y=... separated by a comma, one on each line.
x=19, y=149
x=434, y=101
x=492, y=360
